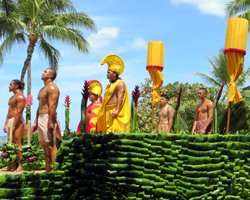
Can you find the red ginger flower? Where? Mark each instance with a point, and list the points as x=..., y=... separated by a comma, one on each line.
x=29, y=100
x=219, y=94
x=67, y=101
x=136, y=95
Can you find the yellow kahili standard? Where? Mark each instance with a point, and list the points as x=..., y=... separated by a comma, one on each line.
x=235, y=50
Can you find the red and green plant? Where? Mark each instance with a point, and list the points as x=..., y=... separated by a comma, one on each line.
x=67, y=112
x=29, y=102
x=85, y=95
x=134, y=105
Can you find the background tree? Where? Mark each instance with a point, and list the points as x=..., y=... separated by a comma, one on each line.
x=219, y=74
x=38, y=22
x=239, y=8
x=187, y=106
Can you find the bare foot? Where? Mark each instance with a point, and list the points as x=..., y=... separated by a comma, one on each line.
x=49, y=169
x=19, y=169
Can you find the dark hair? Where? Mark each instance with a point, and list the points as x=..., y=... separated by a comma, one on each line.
x=53, y=72
x=204, y=89
x=19, y=83
x=165, y=96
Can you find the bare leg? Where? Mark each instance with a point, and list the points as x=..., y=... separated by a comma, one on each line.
x=53, y=153
x=48, y=158
x=18, y=140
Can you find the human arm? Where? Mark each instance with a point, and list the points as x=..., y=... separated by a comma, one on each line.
x=35, y=125
x=53, y=96
x=159, y=124
x=120, y=92
x=5, y=128
x=170, y=119
x=195, y=121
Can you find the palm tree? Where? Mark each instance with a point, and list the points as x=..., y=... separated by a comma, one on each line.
x=239, y=8
x=220, y=75
x=38, y=22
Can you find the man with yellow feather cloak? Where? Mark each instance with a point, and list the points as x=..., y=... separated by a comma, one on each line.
x=114, y=115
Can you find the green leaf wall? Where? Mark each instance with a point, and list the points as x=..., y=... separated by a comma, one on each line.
x=140, y=166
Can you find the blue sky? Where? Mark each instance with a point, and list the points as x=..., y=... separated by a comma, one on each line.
x=192, y=31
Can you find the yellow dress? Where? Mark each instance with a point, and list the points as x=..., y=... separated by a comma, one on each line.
x=105, y=122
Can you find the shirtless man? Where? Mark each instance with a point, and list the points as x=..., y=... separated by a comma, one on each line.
x=46, y=116
x=166, y=115
x=114, y=115
x=203, y=114
x=14, y=117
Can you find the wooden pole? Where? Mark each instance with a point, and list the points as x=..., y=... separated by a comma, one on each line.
x=228, y=117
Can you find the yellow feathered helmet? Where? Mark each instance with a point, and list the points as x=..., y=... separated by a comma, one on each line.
x=115, y=63
x=95, y=87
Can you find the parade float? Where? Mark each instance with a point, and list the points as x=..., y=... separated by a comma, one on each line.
x=137, y=165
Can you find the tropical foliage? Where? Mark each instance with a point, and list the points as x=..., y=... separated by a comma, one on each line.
x=239, y=117
x=239, y=8
x=219, y=74
x=39, y=22
x=240, y=112
x=186, y=108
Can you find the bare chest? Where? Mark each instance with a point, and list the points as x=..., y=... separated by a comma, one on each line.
x=202, y=108
x=12, y=102
x=42, y=95
x=164, y=112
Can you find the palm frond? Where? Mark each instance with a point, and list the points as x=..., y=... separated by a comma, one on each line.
x=7, y=6
x=59, y=5
x=68, y=35
x=9, y=42
x=237, y=6
x=243, y=77
x=50, y=53
x=208, y=79
x=72, y=20
x=245, y=15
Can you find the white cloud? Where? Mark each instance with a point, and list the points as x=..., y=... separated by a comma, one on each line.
x=139, y=43
x=101, y=40
x=214, y=7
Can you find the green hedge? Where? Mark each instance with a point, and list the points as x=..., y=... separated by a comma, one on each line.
x=140, y=166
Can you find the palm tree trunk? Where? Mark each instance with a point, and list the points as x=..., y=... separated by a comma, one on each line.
x=29, y=79
x=27, y=65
